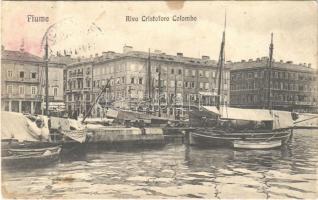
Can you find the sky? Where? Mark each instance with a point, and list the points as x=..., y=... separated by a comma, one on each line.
x=94, y=27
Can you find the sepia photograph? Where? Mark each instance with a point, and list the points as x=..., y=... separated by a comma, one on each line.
x=159, y=99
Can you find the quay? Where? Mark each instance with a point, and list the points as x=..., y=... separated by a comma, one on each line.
x=124, y=136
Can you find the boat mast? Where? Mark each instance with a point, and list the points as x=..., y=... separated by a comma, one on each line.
x=221, y=65
x=271, y=48
x=103, y=90
x=149, y=76
x=46, y=77
x=159, y=90
x=175, y=96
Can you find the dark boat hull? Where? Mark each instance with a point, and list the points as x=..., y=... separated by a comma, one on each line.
x=31, y=158
x=245, y=140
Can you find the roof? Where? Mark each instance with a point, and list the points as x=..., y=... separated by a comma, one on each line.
x=110, y=56
x=63, y=60
x=261, y=63
x=19, y=56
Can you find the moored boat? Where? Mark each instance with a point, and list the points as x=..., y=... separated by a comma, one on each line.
x=241, y=140
x=31, y=157
x=237, y=127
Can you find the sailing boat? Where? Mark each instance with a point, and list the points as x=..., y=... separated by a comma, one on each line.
x=241, y=128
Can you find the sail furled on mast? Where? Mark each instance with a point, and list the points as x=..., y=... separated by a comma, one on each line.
x=270, y=62
x=220, y=68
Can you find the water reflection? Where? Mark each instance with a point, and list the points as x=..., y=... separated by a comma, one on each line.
x=175, y=171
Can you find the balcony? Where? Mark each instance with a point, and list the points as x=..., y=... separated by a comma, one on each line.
x=23, y=80
x=76, y=74
x=30, y=97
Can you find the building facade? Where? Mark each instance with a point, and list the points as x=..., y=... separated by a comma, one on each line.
x=23, y=82
x=184, y=82
x=292, y=86
x=20, y=82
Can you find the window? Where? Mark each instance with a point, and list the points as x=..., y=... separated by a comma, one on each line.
x=172, y=71
x=140, y=80
x=88, y=97
x=200, y=73
x=206, y=86
x=21, y=89
x=179, y=83
x=55, y=91
x=213, y=74
x=9, y=73
x=186, y=84
x=186, y=72
x=207, y=74
x=193, y=72
x=179, y=71
x=22, y=74
x=33, y=75
x=201, y=85
x=171, y=83
x=132, y=80
x=192, y=85
x=70, y=97
x=33, y=90
x=9, y=89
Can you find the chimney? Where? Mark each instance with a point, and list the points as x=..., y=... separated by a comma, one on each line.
x=96, y=55
x=242, y=60
x=309, y=65
x=22, y=46
x=205, y=57
x=281, y=61
x=250, y=60
x=127, y=49
x=258, y=59
x=289, y=62
x=179, y=54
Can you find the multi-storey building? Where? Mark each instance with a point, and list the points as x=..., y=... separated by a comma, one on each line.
x=293, y=86
x=78, y=85
x=20, y=81
x=184, y=81
x=23, y=82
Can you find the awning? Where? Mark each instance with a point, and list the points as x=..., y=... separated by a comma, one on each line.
x=241, y=114
x=281, y=119
x=55, y=105
x=208, y=93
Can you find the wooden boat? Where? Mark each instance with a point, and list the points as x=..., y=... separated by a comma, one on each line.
x=243, y=140
x=31, y=157
x=236, y=127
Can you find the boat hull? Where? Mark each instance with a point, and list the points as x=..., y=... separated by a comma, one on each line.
x=257, y=145
x=252, y=140
x=31, y=158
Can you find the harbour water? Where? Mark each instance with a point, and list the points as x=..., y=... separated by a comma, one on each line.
x=176, y=171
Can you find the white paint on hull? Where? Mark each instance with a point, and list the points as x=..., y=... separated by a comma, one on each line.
x=256, y=145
